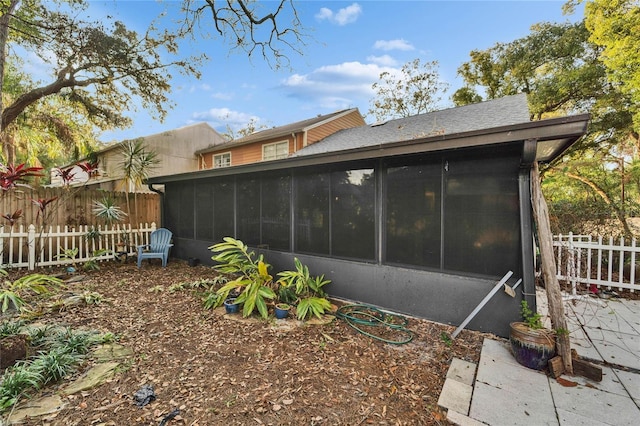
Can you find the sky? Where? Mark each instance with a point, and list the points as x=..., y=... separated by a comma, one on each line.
x=350, y=43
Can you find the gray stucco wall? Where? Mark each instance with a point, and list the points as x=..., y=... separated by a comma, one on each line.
x=439, y=297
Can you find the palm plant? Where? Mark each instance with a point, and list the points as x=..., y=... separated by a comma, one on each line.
x=136, y=164
x=253, y=279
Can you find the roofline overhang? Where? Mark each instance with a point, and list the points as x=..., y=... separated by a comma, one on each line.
x=564, y=130
x=278, y=134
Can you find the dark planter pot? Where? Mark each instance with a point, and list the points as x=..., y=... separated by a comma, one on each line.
x=281, y=312
x=532, y=348
x=231, y=306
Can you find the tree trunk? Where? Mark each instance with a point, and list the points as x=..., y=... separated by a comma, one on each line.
x=620, y=214
x=4, y=34
x=548, y=265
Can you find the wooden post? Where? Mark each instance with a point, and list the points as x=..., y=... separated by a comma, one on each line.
x=551, y=284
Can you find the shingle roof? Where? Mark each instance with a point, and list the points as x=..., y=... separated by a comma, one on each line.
x=275, y=132
x=494, y=113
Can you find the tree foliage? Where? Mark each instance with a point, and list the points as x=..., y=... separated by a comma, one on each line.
x=614, y=25
x=97, y=67
x=562, y=71
x=416, y=89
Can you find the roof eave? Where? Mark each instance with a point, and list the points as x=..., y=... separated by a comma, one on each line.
x=564, y=129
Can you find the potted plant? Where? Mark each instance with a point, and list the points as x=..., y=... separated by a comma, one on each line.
x=532, y=344
x=281, y=310
x=305, y=291
x=231, y=306
x=252, y=282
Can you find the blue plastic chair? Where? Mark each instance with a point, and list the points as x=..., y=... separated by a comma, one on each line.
x=158, y=247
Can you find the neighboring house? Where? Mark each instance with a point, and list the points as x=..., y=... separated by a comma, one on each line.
x=421, y=215
x=278, y=142
x=174, y=149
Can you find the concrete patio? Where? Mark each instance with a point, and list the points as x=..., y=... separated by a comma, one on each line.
x=499, y=391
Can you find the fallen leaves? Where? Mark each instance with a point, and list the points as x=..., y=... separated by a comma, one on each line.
x=217, y=371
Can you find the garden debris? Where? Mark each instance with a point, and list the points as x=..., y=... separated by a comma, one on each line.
x=144, y=395
x=230, y=372
x=169, y=416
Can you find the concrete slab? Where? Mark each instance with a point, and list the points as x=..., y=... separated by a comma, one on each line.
x=462, y=371
x=462, y=420
x=497, y=351
x=567, y=418
x=594, y=404
x=631, y=383
x=37, y=408
x=455, y=396
x=495, y=406
x=585, y=348
x=616, y=348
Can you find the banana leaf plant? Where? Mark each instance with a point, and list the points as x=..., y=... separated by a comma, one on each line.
x=252, y=281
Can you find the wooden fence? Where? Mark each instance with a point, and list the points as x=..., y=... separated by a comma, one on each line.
x=585, y=260
x=28, y=247
x=73, y=206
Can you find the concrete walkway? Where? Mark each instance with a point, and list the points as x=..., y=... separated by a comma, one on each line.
x=499, y=391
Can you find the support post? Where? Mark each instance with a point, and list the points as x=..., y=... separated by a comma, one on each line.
x=551, y=284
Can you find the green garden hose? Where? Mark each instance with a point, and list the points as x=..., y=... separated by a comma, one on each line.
x=358, y=316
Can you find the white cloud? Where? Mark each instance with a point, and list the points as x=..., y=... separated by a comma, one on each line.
x=204, y=87
x=384, y=60
x=222, y=96
x=398, y=44
x=337, y=86
x=220, y=118
x=344, y=16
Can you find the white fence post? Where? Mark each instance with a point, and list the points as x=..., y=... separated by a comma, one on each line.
x=29, y=248
x=31, y=239
x=598, y=254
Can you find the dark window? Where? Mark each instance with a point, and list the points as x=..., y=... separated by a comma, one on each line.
x=353, y=194
x=248, y=211
x=481, y=226
x=413, y=220
x=204, y=210
x=276, y=217
x=312, y=213
x=179, y=213
x=223, y=225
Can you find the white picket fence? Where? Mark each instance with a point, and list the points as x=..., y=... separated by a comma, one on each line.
x=585, y=260
x=29, y=247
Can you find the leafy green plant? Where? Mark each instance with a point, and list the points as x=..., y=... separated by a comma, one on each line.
x=10, y=328
x=93, y=234
x=309, y=293
x=54, y=364
x=68, y=254
x=74, y=342
x=253, y=281
x=532, y=319
x=12, y=293
x=92, y=264
x=38, y=336
x=107, y=210
x=16, y=381
x=211, y=299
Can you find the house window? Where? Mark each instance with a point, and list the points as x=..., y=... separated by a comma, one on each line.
x=222, y=160
x=275, y=151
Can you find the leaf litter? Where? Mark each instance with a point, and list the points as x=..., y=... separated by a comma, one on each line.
x=206, y=369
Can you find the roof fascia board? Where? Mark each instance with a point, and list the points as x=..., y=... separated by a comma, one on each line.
x=557, y=128
x=279, y=134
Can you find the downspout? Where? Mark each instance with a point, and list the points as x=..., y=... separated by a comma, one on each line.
x=529, y=150
x=161, y=194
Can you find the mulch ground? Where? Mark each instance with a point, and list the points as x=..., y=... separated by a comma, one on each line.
x=216, y=370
